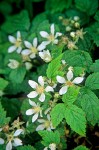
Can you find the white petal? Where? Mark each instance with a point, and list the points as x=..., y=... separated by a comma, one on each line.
x=9, y=146
x=55, y=41
x=52, y=29
x=33, y=84
x=48, y=89
x=69, y=75
x=30, y=112
x=58, y=34
x=48, y=117
x=41, y=54
x=11, y=49
x=40, y=127
x=44, y=34
x=32, y=56
x=32, y=103
x=46, y=43
x=63, y=90
x=60, y=79
x=19, y=49
x=41, y=47
x=1, y=141
x=32, y=94
x=46, y=148
x=0, y=129
x=41, y=120
x=41, y=80
x=17, y=142
x=35, y=42
x=78, y=80
x=12, y=39
x=18, y=35
x=26, y=52
x=18, y=132
x=42, y=97
x=27, y=44
x=34, y=118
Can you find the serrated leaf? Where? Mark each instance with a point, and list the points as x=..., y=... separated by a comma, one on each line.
x=71, y=95
x=57, y=114
x=50, y=137
x=92, y=82
x=81, y=148
x=53, y=68
x=3, y=119
x=90, y=104
x=3, y=84
x=17, y=75
x=26, y=147
x=95, y=66
x=75, y=117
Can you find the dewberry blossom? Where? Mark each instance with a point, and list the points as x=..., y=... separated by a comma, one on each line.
x=32, y=49
x=45, y=124
x=39, y=89
x=52, y=146
x=17, y=42
x=67, y=82
x=45, y=55
x=35, y=110
x=52, y=37
x=13, y=139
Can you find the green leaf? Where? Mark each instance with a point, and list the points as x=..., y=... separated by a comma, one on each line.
x=90, y=104
x=17, y=22
x=26, y=147
x=53, y=68
x=17, y=75
x=3, y=119
x=95, y=66
x=3, y=84
x=81, y=148
x=88, y=6
x=97, y=16
x=92, y=82
x=49, y=137
x=75, y=117
x=71, y=95
x=57, y=114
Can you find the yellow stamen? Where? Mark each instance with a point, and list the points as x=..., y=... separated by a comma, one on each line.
x=40, y=89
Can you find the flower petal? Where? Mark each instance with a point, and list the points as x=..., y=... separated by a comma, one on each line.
x=18, y=35
x=19, y=50
x=12, y=49
x=30, y=112
x=9, y=146
x=42, y=97
x=32, y=103
x=35, y=42
x=46, y=43
x=12, y=39
x=1, y=141
x=58, y=34
x=41, y=47
x=34, y=118
x=27, y=44
x=44, y=34
x=52, y=29
x=55, y=41
x=60, y=79
x=40, y=127
x=41, y=120
x=48, y=89
x=32, y=56
x=63, y=90
x=78, y=80
x=69, y=75
x=32, y=94
x=17, y=142
x=26, y=52
x=33, y=84
x=41, y=80
x=18, y=132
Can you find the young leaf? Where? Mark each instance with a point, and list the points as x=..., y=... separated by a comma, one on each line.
x=3, y=84
x=75, y=117
x=92, y=82
x=95, y=66
x=81, y=148
x=57, y=114
x=26, y=147
x=71, y=95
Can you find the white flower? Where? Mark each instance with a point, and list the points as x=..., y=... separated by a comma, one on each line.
x=52, y=37
x=28, y=65
x=35, y=110
x=13, y=64
x=13, y=140
x=68, y=82
x=39, y=89
x=63, y=62
x=32, y=49
x=52, y=146
x=45, y=124
x=45, y=55
x=16, y=43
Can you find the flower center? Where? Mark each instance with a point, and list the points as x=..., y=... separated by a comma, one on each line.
x=47, y=124
x=37, y=109
x=51, y=38
x=40, y=89
x=18, y=43
x=69, y=83
x=10, y=137
x=33, y=50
